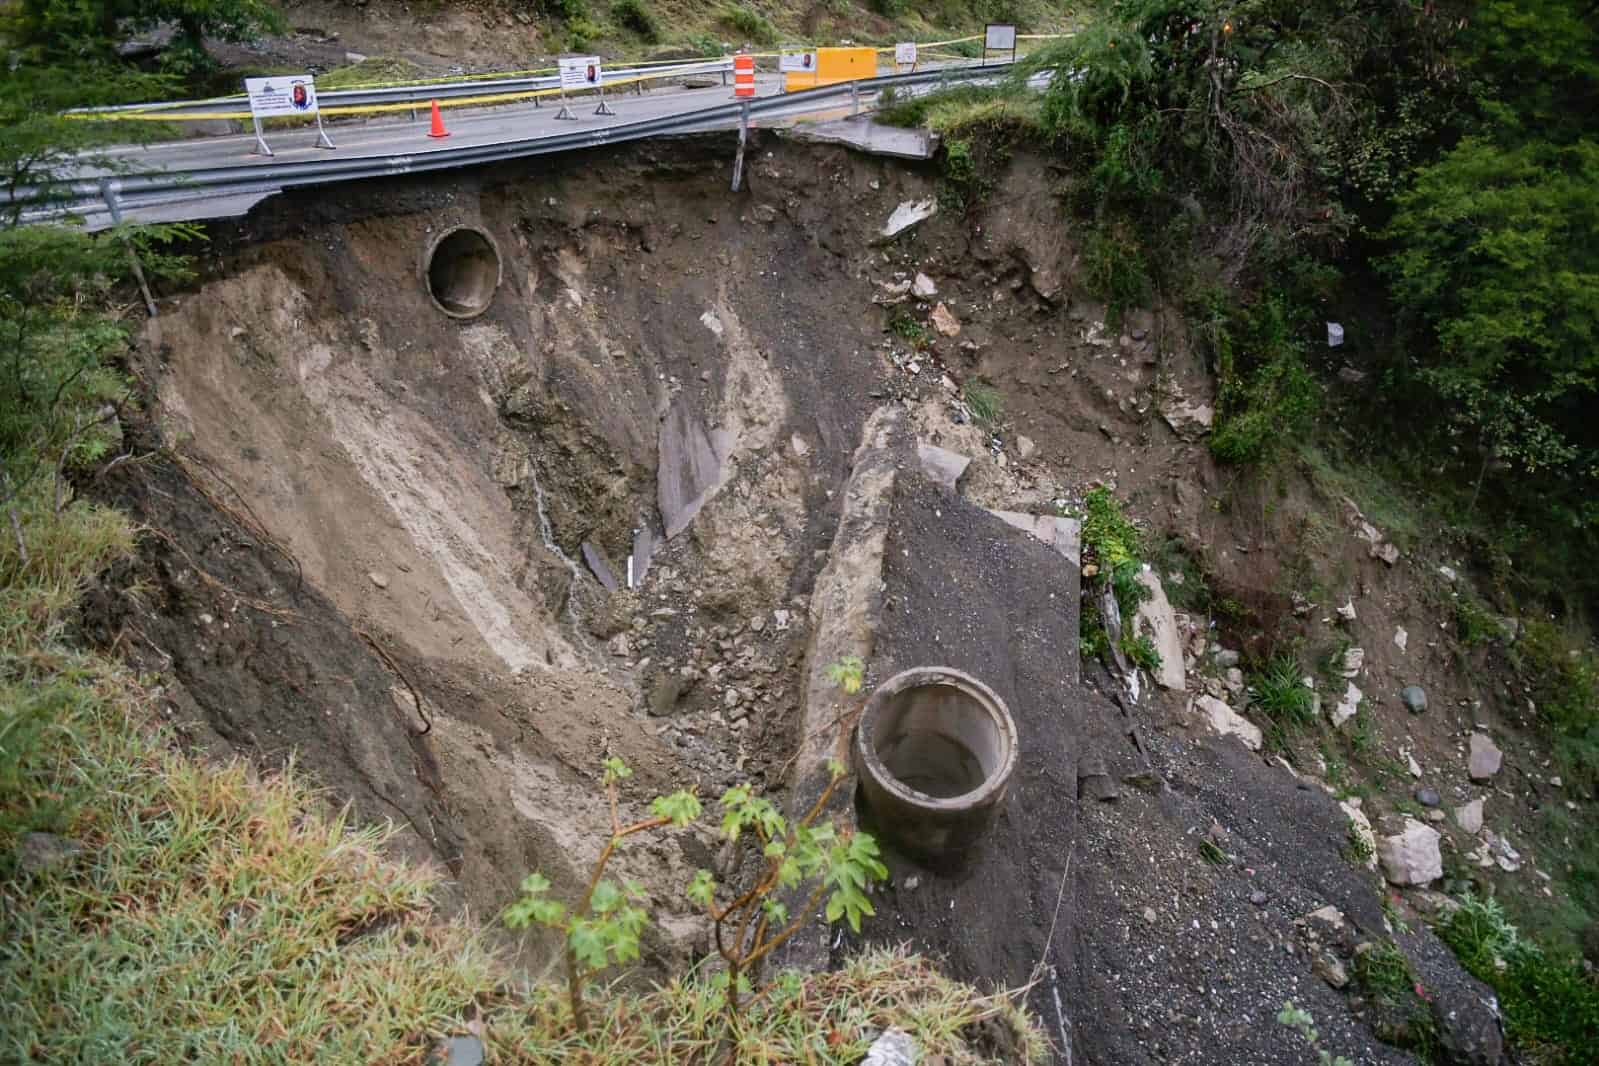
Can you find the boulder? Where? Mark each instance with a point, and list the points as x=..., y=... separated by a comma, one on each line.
x=1414, y=697
x=1469, y=816
x=1469, y=1029
x=1156, y=619
x=1485, y=757
x=945, y=322
x=940, y=464
x=1348, y=705
x=1224, y=720
x=1411, y=856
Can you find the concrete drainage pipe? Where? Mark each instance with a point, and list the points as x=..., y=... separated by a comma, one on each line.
x=461, y=269
x=935, y=750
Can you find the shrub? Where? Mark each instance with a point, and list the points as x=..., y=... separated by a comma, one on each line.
x=635, y=15
x=1279, y=692
x=985, y=404
x=1267, y=397
x=1564, y=679
x=751, y=24
x=1115, y=269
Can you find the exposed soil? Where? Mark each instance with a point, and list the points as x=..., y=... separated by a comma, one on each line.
x=370, y=497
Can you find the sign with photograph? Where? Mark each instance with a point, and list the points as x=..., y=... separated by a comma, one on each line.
x=292, y=94
x=580, y=72
x=905, y=54
x=796, y=62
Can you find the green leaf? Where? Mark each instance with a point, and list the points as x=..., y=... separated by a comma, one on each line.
x=680, y=808
x=702, y=889
x=616, y=770
x=776, y=912
x=606, y=897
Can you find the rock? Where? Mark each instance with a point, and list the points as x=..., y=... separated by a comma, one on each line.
x=1149, y=915
x=665, y=695
x=730, y=698
x=1386, y=552
x=1412, y=765
x=1329, y=916
x=599, y=566
x=711, y=322
x=1448, y=574
x=801, y=446
x=1347, y=611
x=691, y=465
x=1427, y=797
x=1348, y=705
x=1485, y=757
x=765, y=213
x=1233, y=681
x=619, y=646
x=1469, y=816
x=923, y=287
x=894, y=1048
x=1354, y=660
x=1025, y=448
x=1360, y=825
x=1411, y=857
x=1436, y=816
x=462, y=1051
x=945, y=322
x=941, y=465
x=1329, y=969
x=1401, y=638
x=1224, y=720
x=1469, y=1029
x=1156, y=619
x=1094, y=782
x=1335, y=334
x=908, y=214
x=38, y=853
x=1189, y=420
x=1258, y=898
x=643, y=551
x=780, y=619
x=1414, y=697
x=1225, y=658
x=1350, y=376
x=380, y=580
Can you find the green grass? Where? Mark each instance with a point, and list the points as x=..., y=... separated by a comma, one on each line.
x=1278, y=691
x=1550, y=1005
x=372, y=71
x=985, y=404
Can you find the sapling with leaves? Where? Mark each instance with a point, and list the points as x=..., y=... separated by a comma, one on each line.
x=839, y=865
x=604, y=928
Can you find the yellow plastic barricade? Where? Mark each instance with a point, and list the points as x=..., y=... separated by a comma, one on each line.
x=833, y=65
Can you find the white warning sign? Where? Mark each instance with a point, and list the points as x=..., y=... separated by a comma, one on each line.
x=905, y=54
x=580, y=72
x=291, y=94
x=999, y=38
x=796, y=62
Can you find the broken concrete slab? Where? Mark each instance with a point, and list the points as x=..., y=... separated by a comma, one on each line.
x=1155, y=618
x=941, y=465
x=865, y=135
x=599, y=566
x=643, y=552
x=908, y=214
x=1062, y=534
x=692, y=465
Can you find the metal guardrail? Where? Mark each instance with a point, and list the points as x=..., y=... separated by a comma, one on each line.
x=329, y=99
x=103, y=200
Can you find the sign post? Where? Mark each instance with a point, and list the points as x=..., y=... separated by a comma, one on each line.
x=905, y=54
x=294, y=94
x=999, y=37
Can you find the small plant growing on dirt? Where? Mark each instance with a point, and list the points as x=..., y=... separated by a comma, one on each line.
x=1140, y=649
x=1305, y=1025
x=753, y=923
x=1280, y=693
x=1357, y=849
x=604, y=927
x=903, y=325
x=985, y=405
x=1211, y=852
x=848, y=674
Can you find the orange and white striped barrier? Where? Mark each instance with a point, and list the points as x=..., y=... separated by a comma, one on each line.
x=743, y=75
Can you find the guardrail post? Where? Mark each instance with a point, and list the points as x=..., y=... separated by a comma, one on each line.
x=743, y=137
x=108, y=193
x=854, y=99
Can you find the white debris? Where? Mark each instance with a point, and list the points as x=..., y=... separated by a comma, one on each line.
x=1335, y=334
x=908, y=213
x=1401, y=638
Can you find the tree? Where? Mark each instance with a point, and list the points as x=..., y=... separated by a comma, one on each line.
x=91, y=29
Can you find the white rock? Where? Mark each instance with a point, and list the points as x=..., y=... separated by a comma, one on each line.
x=1347, y=611
x=1401, y=638
x=923, y=287
x=1485, y=758
x=711, y=322
x=1348, y=705
x=894, y=1048
x=1224, y=720
x=945, y=322
x=908, y=213
x=1354, y=660
x=1335, y=334
x=1448, y=573
x=378, y=579
x=1412, y=765
x=1189, y=420
x=1411, y=857
x=1362, y=828
x=1025, y=448
x=1155, y=618
x=1469, y=817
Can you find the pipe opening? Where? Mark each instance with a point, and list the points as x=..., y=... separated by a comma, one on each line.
x=462, y=271
x=935, y=751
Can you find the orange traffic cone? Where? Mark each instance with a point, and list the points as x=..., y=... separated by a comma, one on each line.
x=438, y=129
